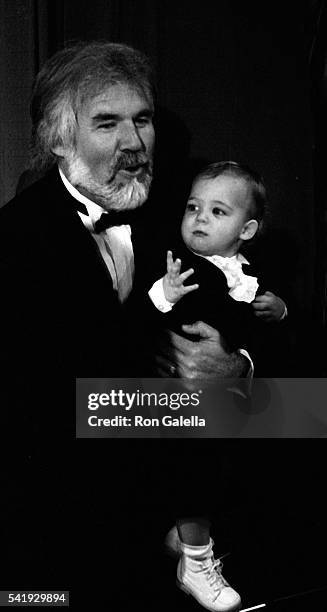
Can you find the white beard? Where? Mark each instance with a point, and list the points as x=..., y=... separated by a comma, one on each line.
x=113, y=196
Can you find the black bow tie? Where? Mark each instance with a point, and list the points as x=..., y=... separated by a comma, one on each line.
x=114, y=218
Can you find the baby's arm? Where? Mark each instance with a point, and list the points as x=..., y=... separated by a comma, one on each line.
x=269, y=307
x=173, y=280
x=165, y=292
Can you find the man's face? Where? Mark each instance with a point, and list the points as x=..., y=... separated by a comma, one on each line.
x=112, y=160
x=215, y=216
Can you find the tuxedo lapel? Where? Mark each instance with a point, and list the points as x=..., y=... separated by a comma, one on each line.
x=64, y=238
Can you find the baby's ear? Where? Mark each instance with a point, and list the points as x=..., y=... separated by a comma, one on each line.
x=249, y=229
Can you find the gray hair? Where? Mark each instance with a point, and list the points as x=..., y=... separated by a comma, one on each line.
x=74, y=74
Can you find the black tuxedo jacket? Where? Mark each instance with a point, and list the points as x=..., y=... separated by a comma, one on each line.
x=61, y=318
x=59, y=299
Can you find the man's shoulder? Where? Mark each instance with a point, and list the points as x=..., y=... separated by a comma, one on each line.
x=31, y=195
x=43, y=202
x=37, y=216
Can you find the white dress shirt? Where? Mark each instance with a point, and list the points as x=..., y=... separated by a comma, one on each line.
x=114, y=243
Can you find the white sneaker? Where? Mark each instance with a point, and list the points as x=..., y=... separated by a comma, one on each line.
x=199, y=574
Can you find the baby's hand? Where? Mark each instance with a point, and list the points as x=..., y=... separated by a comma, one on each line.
x=269, y=306
x=173, y=280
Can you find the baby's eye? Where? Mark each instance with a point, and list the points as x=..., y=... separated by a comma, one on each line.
x=218, y=211
x=191, y=207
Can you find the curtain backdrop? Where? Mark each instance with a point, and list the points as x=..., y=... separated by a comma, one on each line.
x=234, y=82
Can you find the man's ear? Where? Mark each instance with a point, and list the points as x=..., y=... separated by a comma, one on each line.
x=250, y=228
x=60, y=150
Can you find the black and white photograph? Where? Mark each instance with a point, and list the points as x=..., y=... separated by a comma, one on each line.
x=150, y=151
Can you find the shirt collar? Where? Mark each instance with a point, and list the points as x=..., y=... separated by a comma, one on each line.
x=235, y=258
x=94, y=210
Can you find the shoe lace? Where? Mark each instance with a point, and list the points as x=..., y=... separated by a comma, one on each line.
x=213, y=568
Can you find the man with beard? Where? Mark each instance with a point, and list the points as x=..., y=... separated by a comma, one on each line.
x=67, y=248
x=67, y=261
x=92, y=113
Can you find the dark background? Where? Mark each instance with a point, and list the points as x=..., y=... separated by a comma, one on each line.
x=92, y=518
x=238, y=80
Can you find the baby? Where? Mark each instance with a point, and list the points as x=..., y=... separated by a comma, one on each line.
x=224, y=211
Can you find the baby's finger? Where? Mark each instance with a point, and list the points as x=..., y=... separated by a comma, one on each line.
x=177, y=267
x=259, y=306
x=260, y=298
x=263, y=314
x=189, y=288
x=186, y=274
x=173, y=268
x=170, y=260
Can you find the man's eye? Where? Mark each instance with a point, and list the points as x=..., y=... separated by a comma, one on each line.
x=107, y=126
x=142, y=121
x=218, y=212
x=191, y=208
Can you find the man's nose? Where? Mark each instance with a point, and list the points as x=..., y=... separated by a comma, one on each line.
x=130, y=139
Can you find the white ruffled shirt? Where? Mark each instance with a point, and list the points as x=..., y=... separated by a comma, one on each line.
x=242, y=287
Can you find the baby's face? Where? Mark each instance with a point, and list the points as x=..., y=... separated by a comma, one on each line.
x=215, y=215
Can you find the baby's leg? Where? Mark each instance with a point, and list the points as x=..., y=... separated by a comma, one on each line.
x=194, y=531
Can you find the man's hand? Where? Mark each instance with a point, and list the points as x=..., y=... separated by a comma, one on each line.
x=206, y=357
x=269, y=307
x=173, y=280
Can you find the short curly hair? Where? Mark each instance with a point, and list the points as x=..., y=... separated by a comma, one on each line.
x=259, y=203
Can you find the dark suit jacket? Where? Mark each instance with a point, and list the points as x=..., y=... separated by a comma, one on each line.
x=60, y=315
x=59, y=295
